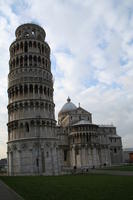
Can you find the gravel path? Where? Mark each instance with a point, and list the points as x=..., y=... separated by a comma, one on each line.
x=7, y=193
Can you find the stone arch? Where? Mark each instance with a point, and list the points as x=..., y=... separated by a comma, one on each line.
x=43, y=123
x=27, y=128
x=21, y=105
x=45, y=90
x=43, y=61
x=35, y=60
x=30, y=60
x=31, y=104
x=42, y=105
x=49, y=107
x=31, y=88
x=38, y=122
x=46, y=62
x=39, y=60
x=48, y=91
x=21, y=89
x=45, y=50
x=17, y=47
x=42, y=48
x=46, y=106
x=21, y=61
x=36, y=89
x=25, y=47
x=34, y=44
x=30, y=44
x=37, y=104
x=41, y=89
x=15, y=106
x=25, y=89
x=32, y=122
x=17, y=61
x=13, y=63
x=26, y=104
x=21, y=125
x=21, y=46
x=39, y=47
x=16, y=90
x=14, y=50
x=25, y=60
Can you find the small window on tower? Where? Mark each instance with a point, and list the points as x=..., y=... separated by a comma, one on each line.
x=87, y=138
x=27, y=127
x=73, y=140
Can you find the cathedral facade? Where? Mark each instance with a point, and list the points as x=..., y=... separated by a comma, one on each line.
x=36, y=145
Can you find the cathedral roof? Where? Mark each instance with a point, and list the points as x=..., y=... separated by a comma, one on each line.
x=69, y=106
x=83, y=122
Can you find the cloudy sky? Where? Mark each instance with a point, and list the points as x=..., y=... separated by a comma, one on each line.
x=92, y=56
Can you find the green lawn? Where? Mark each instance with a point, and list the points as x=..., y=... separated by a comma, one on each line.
x=120, y=168
x=78, y=187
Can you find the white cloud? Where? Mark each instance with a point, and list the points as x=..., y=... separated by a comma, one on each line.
x=90, y=41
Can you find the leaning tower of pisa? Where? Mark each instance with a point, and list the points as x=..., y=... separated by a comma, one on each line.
x=32, y=141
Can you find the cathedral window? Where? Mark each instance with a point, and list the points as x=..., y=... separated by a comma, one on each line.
x=115, y=150
x=65, y=155
x=37, y=162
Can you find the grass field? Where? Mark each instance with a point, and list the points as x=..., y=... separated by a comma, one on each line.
x=120, y=168
x=78, y=187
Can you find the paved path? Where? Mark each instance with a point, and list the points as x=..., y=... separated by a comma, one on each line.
x=112, y=172
x=7, y=193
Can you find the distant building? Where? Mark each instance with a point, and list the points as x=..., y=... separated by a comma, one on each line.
x=36, y=145
x=128, y=155
x=3, y=165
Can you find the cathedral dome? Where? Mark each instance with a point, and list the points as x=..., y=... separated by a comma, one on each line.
x=69, y=106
